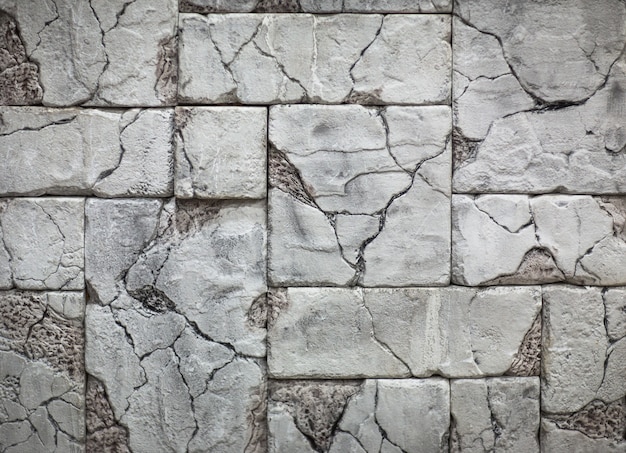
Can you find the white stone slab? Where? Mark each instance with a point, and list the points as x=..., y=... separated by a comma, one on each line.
x=274, y=58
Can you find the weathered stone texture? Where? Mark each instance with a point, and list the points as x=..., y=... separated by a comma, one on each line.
x=359, y=416
x=42, y=243
x=495, y=414
x=581, y=363
x=107, y=153
x=172, y=284
x=267, y=59
x=42, y=372
x=550, y=238
x=455, y=332
x=350, y=187
x=540, y=100
x=315, y=6
x=221, y=152
x=108, y=53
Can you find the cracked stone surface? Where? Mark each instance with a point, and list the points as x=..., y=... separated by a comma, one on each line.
x=581, y=362
x=359, y=416
x=549, y=238
x=173, y=285
x=454, y=332
x=267, y=59
x=96, y=52
x=539, y=103
x=315, y=6
x=495, y=414
x=109, y=153
x=19, y=77
x=221, y=152
x=41, y=243
x=350, y=186
x=42, y=372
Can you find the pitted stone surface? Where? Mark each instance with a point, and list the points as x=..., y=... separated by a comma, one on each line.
x=42, y=243
x=268, y=59
x=350, y=186
x=495, y=414
x=103, y=431
x=42, y=406
x=332, y=332
x=100, y=52
x=221, y=152
x=353, y=416
x=107, y=153
x=549, y=238
x=538, y=103
x=19, y=77
x=315, y=6
x=172, y=284
x=580, y=361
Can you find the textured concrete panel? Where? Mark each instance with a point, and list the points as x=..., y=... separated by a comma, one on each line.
x=268, y=59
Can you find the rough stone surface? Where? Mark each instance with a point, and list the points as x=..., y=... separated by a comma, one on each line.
x=107, y=153
x=581, y=363
x=103, y=431
x=19, y=77
x=495, y=414
x=550, y=238
x=267, y=59
x=221, y=152
x=315, y=6
x=349, y=188
x=454, y=332
x=100, y=52
x=42, y=405
x=539, y=103
x=353, y=416
x=172, y=284
x=42, y=243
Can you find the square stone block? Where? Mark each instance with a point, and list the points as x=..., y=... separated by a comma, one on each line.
x=42, y=243
x=282, y=58
x=495, y=414
x=221, y=152
x=453, y=332
x=42, y=380
x=520, y=239
x=108, y=153
x=315, y=6
x=371, y=416
x=99, y=52
x=177, y=291
x=359, y=196
x=538, y=102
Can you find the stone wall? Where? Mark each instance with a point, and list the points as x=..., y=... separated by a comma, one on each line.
x=383, y=226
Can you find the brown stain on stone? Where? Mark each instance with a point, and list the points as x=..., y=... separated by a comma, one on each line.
x=104, y=433
x=19, y=77
x=597, y=420
x=463, y=149
x=277, y=301
x=285, y=176
x=527, y=361
x=257, y=314
x=278, y=6
x=537, y=266
x=316, y=406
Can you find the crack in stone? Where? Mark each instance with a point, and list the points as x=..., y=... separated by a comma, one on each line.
x=527, y=359
x=353, y=97
x=54, y=123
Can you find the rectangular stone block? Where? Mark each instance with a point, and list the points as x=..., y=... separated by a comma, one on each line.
x=371, y=416
x=538, y=102
x=282, y=58
x=221, y=152
x=42, y=243
x=453, y=332
x=42, y=380
x=315, y=6
x=495, y=414
x=518, y=239
x=359, y=196
x=93, y=53
x=109, y=153
x=177, y=292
